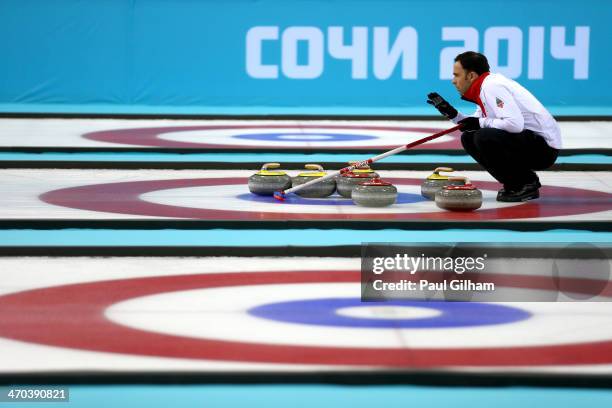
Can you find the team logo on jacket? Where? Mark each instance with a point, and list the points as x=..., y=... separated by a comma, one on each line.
x=499, y=102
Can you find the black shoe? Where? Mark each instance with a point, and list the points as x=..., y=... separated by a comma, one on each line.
x=502, y=192
x=525, y=193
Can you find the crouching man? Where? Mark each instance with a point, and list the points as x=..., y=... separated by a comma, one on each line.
x=511, y=134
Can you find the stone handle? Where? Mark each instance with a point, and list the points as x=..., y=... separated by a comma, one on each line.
x=314, y=167
x=268, y=166
x=465, y=180
x=445, y=169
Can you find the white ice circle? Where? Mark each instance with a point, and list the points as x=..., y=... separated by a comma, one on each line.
x=388, y=312
x=305, y=136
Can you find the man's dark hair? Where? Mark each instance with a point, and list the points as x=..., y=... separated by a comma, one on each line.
x=473, y=61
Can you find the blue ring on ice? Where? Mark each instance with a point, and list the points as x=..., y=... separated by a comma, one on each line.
x=334, y=199
x=304, y=137
x=323, y=312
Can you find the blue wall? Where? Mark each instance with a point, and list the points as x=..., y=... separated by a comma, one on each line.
x=173, y=56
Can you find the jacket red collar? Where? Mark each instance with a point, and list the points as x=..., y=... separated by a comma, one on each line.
x=473, y=93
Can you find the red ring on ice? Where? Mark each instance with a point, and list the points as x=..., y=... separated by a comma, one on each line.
x=153, y=136
x=124, y=198
x=73, y=316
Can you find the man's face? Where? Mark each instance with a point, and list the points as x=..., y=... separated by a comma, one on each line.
x=462, y=79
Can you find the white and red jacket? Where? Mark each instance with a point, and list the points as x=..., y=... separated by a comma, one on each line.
x=505, y=104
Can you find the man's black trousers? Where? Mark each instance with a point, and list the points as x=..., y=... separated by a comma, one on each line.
x=509, y=157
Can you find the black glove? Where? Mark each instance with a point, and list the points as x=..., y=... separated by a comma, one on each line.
x=441, y=105
x=469, y=123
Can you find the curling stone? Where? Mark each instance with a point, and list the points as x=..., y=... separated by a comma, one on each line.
x=347, y=181
x=321, y=189
x=464, y=197
x=436, y=181
x=267, y=181
x=374, y=193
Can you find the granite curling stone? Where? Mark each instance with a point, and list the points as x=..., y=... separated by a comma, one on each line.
x=317, y=190
x=464, y=197
x=347, y=181
x=266, y=181
x=436, y=181
x=374, y=193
